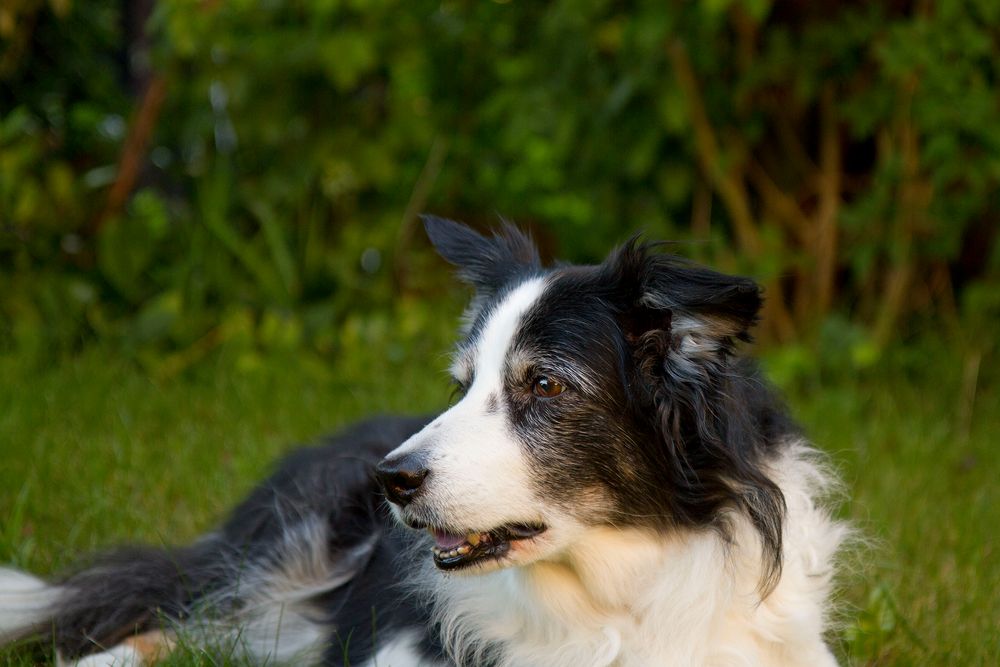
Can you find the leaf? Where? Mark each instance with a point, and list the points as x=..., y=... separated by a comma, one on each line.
x=280, y=253
x=127, y=245
x=346, y=56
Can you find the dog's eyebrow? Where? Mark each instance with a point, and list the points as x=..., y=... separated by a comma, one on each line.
x=461, y=363
x=572, y=371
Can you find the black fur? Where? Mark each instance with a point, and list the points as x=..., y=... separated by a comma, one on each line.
x=489, y=263
x=136, y=589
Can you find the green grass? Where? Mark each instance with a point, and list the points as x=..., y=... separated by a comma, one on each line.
x=922, y=473
x=95, y=452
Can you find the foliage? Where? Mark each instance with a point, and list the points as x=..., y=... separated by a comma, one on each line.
x=255, y=168
x=231, y=189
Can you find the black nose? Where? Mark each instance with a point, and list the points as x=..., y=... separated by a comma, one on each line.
x=401, y=477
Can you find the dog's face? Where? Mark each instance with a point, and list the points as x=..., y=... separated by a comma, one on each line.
x=560, y=424
x=527, y=456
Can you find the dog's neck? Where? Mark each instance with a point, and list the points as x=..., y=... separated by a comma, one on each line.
x=619, y=597
x=633, y=598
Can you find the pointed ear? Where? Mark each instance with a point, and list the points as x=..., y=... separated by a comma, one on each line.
x=487, y=262
x=696, y=312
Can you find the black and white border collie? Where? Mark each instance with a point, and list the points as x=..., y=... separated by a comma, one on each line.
x=615, y=486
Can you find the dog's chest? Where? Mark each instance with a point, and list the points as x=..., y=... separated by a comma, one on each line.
x=550, y=616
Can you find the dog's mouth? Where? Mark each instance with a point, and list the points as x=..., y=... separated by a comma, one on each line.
x=453, y=551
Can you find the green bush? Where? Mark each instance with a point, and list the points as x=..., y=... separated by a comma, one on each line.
x=258, y=167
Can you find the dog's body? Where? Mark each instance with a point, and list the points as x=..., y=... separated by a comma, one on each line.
x=614, y=487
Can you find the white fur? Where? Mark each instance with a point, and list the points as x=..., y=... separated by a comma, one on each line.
x=268, y=616
x=25, y=601
x=628, y=598
x=470, y=438
x=493, y=344
x=119, y=656
x=583, y=596
x=402, y=651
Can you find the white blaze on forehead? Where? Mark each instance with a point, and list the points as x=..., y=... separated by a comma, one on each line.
x=496, y=336
x=479, y=477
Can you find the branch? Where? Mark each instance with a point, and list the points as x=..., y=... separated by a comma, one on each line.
x=729, y=185
x=134, y=149
x=786, y=210
x=418, y=200
x=913, y=196
x=701, y=210
x=829, y=202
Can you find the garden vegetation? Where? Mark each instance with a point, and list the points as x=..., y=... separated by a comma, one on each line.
x=210, y=246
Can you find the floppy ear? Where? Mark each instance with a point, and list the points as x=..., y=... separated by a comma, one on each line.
x=486, y=262
x=695, y=313
x=681, y=321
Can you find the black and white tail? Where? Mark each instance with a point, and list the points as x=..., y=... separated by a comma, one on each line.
x=300, y=562
x=111, y=612
x=26, y=604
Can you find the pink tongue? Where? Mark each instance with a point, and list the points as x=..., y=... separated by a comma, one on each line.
x=447, y=540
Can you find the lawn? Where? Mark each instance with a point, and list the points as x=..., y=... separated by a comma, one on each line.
x=96, y=451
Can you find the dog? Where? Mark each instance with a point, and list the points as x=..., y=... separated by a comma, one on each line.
x=615, y=484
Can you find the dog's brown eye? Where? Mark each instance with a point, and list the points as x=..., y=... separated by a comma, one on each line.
x=546, y=387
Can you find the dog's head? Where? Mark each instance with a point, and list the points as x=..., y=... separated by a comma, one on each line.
x=590, y=396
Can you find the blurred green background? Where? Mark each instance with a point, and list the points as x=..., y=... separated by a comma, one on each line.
x=209, y=244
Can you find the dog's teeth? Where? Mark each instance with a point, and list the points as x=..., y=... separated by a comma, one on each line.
x=464, y=549
x=473, y=539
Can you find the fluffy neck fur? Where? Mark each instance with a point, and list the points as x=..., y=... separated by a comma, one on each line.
x=632, y=598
